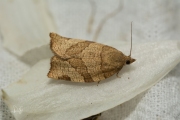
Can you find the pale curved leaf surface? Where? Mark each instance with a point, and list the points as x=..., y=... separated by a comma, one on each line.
x=39, y=97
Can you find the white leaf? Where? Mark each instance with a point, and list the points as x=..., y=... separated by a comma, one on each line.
x=36, y=97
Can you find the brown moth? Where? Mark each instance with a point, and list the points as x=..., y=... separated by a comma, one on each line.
x=85, y=61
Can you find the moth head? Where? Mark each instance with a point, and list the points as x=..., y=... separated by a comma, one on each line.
x=129, y=60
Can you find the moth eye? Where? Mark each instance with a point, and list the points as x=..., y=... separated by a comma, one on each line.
x=128, y=62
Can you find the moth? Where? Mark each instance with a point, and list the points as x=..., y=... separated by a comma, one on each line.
x=79, y=60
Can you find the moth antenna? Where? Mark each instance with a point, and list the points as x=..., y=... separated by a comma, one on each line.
x=131, y=40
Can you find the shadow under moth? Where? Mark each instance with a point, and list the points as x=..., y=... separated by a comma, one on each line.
x=94, y=117
x=84, y=61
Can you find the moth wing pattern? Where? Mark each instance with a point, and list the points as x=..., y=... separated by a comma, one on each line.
x=67, y=47
x=72, y=69
x=82, y=61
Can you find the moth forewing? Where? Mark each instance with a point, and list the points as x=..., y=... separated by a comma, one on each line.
x=84, y=61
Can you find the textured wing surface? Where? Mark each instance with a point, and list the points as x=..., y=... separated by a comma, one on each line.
x=82, y=61
x=75, y=70
x=67, y=47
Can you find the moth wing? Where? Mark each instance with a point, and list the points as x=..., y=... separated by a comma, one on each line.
x=67, y=47
x=71, y=70
x=112, y=61
x=82, y=61
x=76, y=70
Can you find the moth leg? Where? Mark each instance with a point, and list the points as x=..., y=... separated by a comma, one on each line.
x=98, y=83
x=117, y=74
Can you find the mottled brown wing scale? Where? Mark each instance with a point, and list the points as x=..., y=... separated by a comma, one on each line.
x=81, y=61
x=59, y=45
x=62, y=69
x=108, y=56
